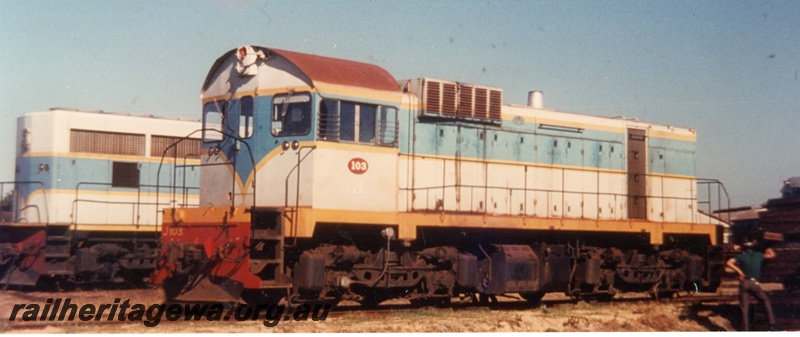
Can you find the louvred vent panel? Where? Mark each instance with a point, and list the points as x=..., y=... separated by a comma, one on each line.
x=433, y=96
x=449, y=98
x=465, y=101
x=495, y=102
x=481, y=103
x=461, y=101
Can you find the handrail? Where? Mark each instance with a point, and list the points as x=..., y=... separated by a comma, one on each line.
x=17, y=210
x=509, y=193
x=135, y=205
x=710, y=193
x=174, y=184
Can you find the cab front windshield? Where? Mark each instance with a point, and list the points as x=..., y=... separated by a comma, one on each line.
x=291, y=115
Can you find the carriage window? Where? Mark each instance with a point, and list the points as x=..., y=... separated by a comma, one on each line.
x=366, y=124
x=246, y=117
x=212, y=122
x=291, y=115
x=347, y=121
x=387, y=126
x=329, y=120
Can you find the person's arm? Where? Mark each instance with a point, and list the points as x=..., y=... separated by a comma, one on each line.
x=769, y=254
x=732, y=264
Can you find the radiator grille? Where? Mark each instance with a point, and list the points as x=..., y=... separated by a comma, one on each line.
x=462, y=101
x=465, y=100
x=449, y=95
x=481, y=103
x=433, y=97
x=127, y=144
x=495, y=103
x=189, y=148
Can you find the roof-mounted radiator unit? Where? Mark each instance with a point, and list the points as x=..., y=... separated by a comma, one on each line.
x=453, y=100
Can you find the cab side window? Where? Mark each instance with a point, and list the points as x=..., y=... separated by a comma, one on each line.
x=246, y=106
x=213, y=118
x=357, y=122
x=366, y=123
x=347, y=121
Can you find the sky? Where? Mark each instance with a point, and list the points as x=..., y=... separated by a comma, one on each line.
x=728, y=69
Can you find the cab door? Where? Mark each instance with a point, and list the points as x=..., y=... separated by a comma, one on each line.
x=637, y=174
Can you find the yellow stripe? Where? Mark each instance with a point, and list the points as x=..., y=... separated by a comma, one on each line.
x=346, y=90
x=568, y=124
x=321, y=87
x=90, y=227
x=408, y=223
x=672, y=135
x=259, y=92
x=205, y=215
x=354, y=147
x=111, y=193
x=109, y=157
x=118, y=228
x=25, y=224
x=516, y=163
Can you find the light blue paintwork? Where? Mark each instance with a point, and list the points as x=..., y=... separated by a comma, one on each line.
x=509, y=142
x=94, y=174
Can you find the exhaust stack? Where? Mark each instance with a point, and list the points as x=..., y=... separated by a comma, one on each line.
x=536, y=99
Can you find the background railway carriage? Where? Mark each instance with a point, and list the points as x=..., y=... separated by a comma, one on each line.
x=86, y=207
x=327, y=179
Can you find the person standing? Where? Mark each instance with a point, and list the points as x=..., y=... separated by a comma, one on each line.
x=748, y=266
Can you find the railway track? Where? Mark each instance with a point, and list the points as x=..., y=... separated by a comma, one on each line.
x=695, y=307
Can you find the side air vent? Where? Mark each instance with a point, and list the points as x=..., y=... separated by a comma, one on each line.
x=449, y=99
x=458, y=100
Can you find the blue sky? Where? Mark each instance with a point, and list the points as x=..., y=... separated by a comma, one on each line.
x=729, y=69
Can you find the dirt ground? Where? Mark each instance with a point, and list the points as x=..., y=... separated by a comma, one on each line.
x=557, y=314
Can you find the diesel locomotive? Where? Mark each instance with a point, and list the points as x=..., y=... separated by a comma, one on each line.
x=84, y=208
x=324, y=179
